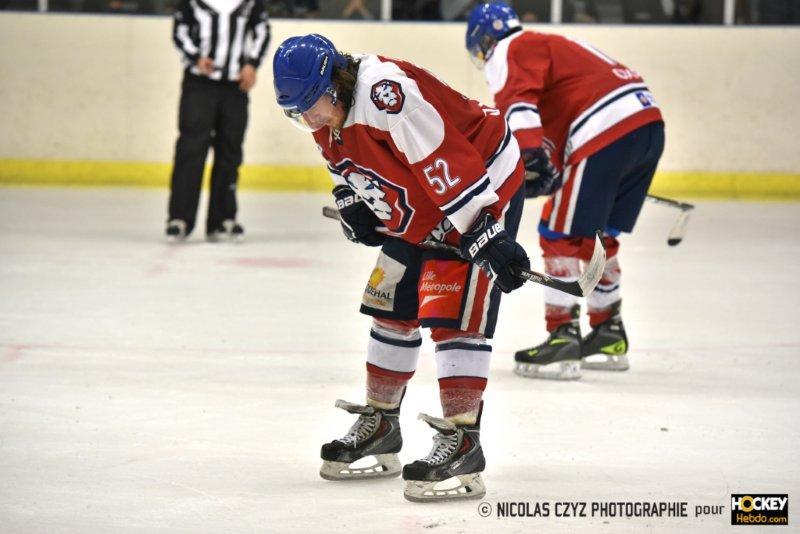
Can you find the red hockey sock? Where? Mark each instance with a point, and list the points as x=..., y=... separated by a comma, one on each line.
x=462, y=363
x=392, y=355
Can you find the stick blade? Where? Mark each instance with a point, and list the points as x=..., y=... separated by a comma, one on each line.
x=330, y=212
x=594, y=269
x=678, y=230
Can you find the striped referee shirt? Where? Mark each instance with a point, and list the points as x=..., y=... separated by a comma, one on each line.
x=233, y=33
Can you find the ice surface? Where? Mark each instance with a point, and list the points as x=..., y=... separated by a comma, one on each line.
x=155, y=388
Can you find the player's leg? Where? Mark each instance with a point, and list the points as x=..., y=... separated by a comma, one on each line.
x=559, y=355
x=606, y=346
x=628, y=165
x=228, y=139
x=195, y=123
x=460, y=305
x=452, y=469
x=370, y=447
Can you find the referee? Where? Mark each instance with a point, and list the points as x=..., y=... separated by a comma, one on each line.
x=222, y=43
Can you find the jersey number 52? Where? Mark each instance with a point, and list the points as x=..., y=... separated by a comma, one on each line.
x=438, y=176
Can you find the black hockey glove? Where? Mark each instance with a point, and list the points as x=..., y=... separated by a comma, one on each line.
x=489, y=245
x=541, y=176
x=358, y=221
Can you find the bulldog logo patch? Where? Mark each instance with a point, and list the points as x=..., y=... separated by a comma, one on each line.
x=387, y=95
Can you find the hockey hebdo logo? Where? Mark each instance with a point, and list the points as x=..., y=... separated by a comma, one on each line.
x=760, y=509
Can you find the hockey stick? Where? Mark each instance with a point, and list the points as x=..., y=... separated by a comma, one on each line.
x=579, y=288
x=678, y=230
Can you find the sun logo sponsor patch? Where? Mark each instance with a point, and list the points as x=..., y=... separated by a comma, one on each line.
x=377, y=277
x=382, y=285
x=387, y=95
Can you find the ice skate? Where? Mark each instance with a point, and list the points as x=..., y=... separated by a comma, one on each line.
x=229, y=230
x=452, y=470
x=558, y=358
x=374, y=438
x=176, y=231
x=606, y=346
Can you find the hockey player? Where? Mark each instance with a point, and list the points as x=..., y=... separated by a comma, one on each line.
x=411, y=158
x=591, y=135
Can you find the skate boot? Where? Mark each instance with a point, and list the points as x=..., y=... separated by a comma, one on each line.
x=376, y=434
x=606, y=346
x=558, y=358
x=452, y=470
x=229, y=230
x=176, y=230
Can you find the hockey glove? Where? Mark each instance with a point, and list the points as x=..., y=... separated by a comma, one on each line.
x=489, y=245
x=358, y=221
x=541, y=176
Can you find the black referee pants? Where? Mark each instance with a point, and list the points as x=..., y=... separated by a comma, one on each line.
x=211, y=114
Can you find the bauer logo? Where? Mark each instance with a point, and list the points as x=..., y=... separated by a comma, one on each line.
x=760, y=509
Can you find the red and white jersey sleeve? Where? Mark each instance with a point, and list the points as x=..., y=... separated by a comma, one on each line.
x=418, y=151
x=566, y=95
x=517, y=84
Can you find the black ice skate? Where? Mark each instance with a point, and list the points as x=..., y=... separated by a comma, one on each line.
x=452, y=470
x=229, y=230
x=558, y=358
x=376, y=434
x=176, y=230
x=606, y=346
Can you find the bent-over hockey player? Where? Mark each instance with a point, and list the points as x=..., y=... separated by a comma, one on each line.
x=591, y=135
x=413, y=159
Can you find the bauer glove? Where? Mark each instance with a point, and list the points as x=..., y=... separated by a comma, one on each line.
x=489, y=245
x=358, y=221
x=541, y=176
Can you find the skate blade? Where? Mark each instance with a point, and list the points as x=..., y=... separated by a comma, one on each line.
x=605, y=362
x=385, y=465
x=564, y=370
x=453, y=489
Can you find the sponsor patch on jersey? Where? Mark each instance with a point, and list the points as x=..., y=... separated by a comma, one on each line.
x=382, y=285
x=645, y=98
x=441, y=289
x=387, y=95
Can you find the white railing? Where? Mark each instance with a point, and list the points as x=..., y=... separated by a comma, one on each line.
x=556, y=10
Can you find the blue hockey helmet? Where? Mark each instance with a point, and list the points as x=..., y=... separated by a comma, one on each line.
x=302, y=69
x=487, y=24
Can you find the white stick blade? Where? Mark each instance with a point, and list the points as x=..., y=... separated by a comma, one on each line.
x=678, y=229
x=594, y=269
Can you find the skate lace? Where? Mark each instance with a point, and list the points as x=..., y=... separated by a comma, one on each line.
x=443, y=446
x=361, y=429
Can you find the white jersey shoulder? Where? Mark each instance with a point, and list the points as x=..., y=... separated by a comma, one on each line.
x=496, y=68
x=387, y=99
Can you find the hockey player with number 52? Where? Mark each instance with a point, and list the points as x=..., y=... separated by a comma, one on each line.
x=412, y=159
x=591, y=134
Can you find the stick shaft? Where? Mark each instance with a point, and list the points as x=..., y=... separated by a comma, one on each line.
x=581, y=288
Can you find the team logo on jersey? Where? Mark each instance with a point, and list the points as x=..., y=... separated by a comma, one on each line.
x=388, y=201
x=387, y=95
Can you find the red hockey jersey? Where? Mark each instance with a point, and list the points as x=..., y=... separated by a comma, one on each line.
x=566, y=95
x=424, y=157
